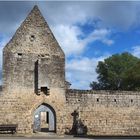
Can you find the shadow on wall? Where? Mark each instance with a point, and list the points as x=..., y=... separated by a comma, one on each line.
x=78, y=127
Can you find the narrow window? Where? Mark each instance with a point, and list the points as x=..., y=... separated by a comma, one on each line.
x=19, y=54
x=42, y=55
x=114, y=100
x=32, y=38
x=97, y=99
x=131, y=100
x=45, y=90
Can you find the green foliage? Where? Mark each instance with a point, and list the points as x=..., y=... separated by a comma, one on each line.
x=118, y=72
x=132, y=78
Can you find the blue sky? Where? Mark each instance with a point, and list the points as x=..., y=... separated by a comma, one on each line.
x=88, y=32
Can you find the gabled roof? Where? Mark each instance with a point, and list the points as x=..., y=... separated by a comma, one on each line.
x=34, y=26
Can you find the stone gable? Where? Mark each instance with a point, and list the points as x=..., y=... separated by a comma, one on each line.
x=33, y=57
x=34, y=84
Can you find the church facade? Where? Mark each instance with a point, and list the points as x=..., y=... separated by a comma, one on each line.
x=36, y=97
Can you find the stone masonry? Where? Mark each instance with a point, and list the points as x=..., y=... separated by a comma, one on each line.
x=34, y=75
x=33, y=62
x=105, y=112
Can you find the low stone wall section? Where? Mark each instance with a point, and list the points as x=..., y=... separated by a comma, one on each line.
x=105, y=112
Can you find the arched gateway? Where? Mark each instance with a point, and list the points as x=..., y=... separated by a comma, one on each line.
x=45, y=119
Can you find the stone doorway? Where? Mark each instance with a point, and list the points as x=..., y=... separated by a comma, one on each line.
x=44, y=119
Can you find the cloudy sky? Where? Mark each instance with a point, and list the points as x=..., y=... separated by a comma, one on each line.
x=88, y=32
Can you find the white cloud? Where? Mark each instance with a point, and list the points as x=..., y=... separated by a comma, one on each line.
x=63, y=18
x=3, y=42
x=136, y=51
x=100, y=35
x=80, y=72
x=120, y=14
x=68, y=38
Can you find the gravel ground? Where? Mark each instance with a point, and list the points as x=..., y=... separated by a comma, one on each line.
x=68, y=138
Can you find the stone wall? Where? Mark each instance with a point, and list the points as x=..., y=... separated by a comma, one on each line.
x=105, y=112
x=33, y=74
x=19, y=109
x=33, y=58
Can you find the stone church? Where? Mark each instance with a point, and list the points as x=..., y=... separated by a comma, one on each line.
x=36, y=96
